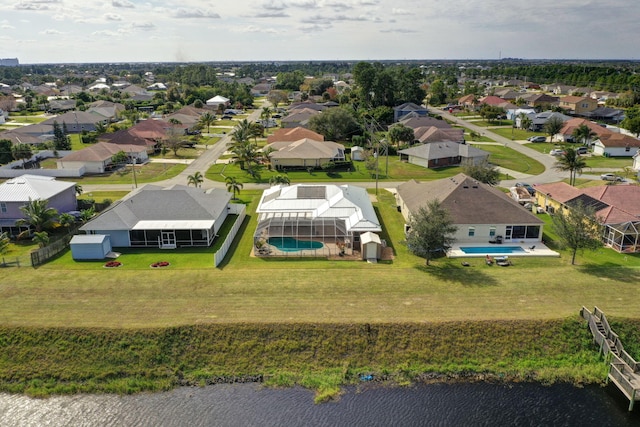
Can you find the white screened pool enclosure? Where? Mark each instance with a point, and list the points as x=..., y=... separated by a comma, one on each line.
x=313, y=220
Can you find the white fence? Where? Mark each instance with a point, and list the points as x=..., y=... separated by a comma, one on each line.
x=14, y=169
x=235, y=209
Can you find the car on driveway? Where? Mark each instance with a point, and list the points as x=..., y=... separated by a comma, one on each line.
x=557, y=152
x=611, y=177
x=581, y=150
x=526, y=186
x=538, y=138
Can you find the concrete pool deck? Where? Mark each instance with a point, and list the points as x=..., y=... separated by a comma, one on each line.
x=539, y=250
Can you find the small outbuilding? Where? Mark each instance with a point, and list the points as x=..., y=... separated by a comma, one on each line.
x=90, y=246
x=371, y=246
x=357, y=154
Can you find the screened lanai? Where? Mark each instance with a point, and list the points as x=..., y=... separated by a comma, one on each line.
x=624, y=237
x=313, y=220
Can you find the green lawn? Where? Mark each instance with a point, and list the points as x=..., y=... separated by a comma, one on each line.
x=398, y=171
x=516, y=134
x=511, y=159
x=101, y=196
x=255, y=290
x=27, y=119
x=151, y=172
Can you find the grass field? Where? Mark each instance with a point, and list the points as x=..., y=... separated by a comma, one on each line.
x=256, y=290
x=511, y=159
x=149, y=172
x=69, y=327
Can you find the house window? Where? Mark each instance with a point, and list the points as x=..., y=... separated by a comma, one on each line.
x=627, y=149
x=3, y=207
x=492, y=231
x=472, y=231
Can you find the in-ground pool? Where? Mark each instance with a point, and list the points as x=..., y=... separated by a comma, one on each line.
x=491, y=250
x=289, y=244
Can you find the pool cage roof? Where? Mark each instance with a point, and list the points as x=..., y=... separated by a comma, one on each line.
x=624, y=237
x=299, y=224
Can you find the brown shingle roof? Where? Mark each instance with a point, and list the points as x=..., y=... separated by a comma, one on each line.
x=293, y=134
x=619, y=140
x=467, y=201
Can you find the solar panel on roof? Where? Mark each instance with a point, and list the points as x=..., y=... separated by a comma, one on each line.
x=588, y=202
x=311, y=192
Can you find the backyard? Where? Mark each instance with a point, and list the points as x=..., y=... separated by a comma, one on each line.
x=258, y=290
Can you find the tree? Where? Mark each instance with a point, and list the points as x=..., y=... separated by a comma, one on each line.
x=276, y=97
x=265, y=115
x=60, y=138
x=631, y=121
x=78, y=189
x=401, y=133
x=66, y=220
x=553, y=126
x=38, y=215
x=578, y=229
x=120, y=158
x=572, y=162
x=41, y=238
x=196, y=179
x=279, y=179
x=335, y=124
x=21, y=152
x=4, y=243
x=173, y=139
x=431, y=230
x=233, y=185
x=483, y=172
x=6, y=156
x=583, y=134
x=207, y=119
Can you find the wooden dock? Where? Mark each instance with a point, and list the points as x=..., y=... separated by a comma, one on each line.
x=624, y=371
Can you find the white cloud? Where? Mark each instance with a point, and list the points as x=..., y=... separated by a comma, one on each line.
x=122, y=3
x=183, y=13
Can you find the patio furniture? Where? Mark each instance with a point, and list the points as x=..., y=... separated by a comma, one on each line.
x=532, y=247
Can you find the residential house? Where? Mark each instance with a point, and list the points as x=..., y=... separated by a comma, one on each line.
x=481, y=212
x=616, y=145
x=617, y=208
x=539, y=99
x=165, y=218
x=304, y=153
x=606, y=114
x=468, y=101
x=61, y=105
x=429, y=134
x=578, y=105
x=495, y=101
x=298, y=117
x=218, y=101
x=307, y=105
x=332, y=216
x=440, y=154
x=97, y=158
x=507, y=94
x=415, y=122
x=77, y=121
x=408, y=107
x=539, y=120
x=110, y=110
x=17, y=192
x=293, y=134
x=566, y=133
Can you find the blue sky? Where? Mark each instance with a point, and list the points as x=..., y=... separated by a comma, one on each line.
x=43, y=31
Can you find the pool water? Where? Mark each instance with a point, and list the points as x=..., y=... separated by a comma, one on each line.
x=494, y=249
x=289, y=244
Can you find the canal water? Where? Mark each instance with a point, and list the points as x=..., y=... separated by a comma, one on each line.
x=252, y=405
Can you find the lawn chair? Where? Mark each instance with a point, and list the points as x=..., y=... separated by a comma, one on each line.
x=532, y=247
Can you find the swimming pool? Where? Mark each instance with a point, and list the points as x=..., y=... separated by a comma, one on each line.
x=492, y=250
x=289, y=244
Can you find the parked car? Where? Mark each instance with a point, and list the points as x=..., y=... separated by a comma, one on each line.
x=557, y=152
x=528, y=187
x=538, y=138
x=611, y=177
x=581, y=150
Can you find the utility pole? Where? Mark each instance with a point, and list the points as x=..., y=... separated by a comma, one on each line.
x=133, y=167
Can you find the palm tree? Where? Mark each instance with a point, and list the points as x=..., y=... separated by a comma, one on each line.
x=256, y=130
x=571, y=161
x=553, y=126
x=196, y=179
x=233, y=185
x=583, y=134
x=78, y=189
x=279, y=179
x=21, y=152
x=38, y=215
x=207, y=119
x=265, y=115
x=66, y=220
x=41, y=238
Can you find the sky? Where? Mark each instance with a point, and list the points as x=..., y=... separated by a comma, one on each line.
x=77, y=31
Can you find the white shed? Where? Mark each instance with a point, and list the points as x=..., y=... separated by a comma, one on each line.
x=357, y=153
x=217, y=100
x=371, y=246
x=90, y=246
